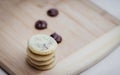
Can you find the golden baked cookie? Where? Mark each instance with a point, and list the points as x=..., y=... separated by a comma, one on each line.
x=42, y=44
x=40, y=57
x=45, y=67
x=41, y=63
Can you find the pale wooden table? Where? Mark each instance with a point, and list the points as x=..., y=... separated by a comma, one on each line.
x=110, y=65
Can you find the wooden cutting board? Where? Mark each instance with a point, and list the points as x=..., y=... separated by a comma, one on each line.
x=89, y=34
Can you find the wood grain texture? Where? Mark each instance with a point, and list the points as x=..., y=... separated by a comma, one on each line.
x=88, y=55
x=77, y=27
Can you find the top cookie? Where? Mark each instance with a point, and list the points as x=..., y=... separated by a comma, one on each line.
x=42, y=44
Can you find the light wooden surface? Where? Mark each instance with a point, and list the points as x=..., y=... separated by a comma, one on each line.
x=111, y=64
x=17, y=26
x=88, y=55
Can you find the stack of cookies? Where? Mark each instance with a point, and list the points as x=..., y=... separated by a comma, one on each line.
x=41, y=52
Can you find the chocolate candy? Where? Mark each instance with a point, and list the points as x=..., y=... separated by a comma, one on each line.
x=52, y=12
x=57, y=37
x=41, y=24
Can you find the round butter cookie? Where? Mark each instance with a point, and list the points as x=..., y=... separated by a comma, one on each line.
x=40, y=57
x=42, y=68
x=41, y=63
x=42, y=44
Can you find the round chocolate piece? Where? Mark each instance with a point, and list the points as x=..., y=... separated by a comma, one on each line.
x=57, y=37
x=41, y=24
x=54, y=35
x=52, y=12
